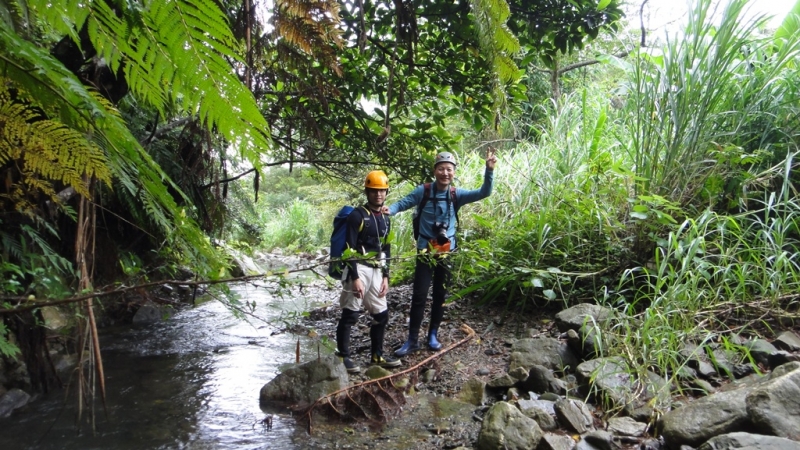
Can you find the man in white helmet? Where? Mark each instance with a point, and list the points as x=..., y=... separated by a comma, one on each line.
x=437, y=204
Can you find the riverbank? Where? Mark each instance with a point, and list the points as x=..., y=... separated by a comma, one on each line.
x=578, y=409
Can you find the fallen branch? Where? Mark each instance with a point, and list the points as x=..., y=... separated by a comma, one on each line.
x=350, y=394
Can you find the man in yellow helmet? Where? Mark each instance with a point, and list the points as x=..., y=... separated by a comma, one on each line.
x=365, y=280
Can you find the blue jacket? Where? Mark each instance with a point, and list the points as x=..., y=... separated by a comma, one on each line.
x=435, y=211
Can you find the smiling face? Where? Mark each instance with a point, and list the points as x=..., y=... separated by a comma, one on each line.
x=444, y=173
x=376, y=197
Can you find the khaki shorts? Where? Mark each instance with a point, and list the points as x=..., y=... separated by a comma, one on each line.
x=371, y=278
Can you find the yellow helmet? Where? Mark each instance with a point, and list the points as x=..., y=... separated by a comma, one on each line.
x=376, y=180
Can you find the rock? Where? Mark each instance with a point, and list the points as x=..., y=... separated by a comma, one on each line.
x=626, y=426
x=307, y=382
x=747, y=441
x=699, y=421
x=788, y=341
x=12, y=400
x=54, y=318
x=552, y=441
x=547, y=352
x=574, y=415
x=545, y=420
x=506, y=428
x=782, y=357
x=706, y=370
x=774, y=406
x=784, y=369
x=545, y=405
x=473, y=392
x=482, y=371
x=760, y=350
x=375, y=372
x=703, y=386
x=518, y=373
x=151, y=313
x=513, y=394
x=722, y=362
x=540, y=379
x=743, y=370
x=653, y=444
x=503, y=381
x=613, y=382
x=577, y=316
x=599, y=439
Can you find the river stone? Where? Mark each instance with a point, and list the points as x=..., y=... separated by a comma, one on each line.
x=782, y=357
x=722, y=361
x=789, y=341
x=760, y=350
x=774, y=406
x=547, y=352
x=784, y=369
x=545, y=420
x=547, y=406
x=574, y=415
x=575, y=317
x=599, y=439
x=503, y=381
x=307, y=382
x=11, y=400
x=747, y=441
x=473, y=392
x=697, y=422
x=54, y=318
x=626, y=426
x=506, y=428
x=552, y=441
x=518, y=373
x=151, y=313
x=375, y=372
x=540, y=379
x=614, y=383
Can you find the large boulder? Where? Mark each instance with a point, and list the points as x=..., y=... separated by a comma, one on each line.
x=307, y=382
x=506, y=428
x=747, y=441
x=548, y=352
x=774, y=406
x=704, y=418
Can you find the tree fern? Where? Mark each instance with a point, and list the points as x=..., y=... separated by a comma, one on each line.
x=497, y=43
x=60, y=94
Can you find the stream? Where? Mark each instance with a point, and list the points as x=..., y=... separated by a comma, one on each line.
x=189, y=382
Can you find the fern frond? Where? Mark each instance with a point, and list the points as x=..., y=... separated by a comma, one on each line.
x=497, y=43
x=46, y=148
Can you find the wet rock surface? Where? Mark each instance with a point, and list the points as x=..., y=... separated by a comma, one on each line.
x=525, y=365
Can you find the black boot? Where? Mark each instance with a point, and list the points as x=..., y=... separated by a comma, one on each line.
x=349, y=318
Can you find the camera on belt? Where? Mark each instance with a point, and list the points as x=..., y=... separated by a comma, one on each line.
x=440, y=230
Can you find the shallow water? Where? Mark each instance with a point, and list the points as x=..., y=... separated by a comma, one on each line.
x=190, y=382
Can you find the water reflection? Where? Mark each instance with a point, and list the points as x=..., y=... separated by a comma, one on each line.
x=190, y=382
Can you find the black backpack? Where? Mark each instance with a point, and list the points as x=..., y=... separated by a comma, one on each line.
x=426, y=193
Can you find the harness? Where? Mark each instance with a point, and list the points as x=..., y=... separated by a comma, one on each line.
x=426, y=196
x=368, y=240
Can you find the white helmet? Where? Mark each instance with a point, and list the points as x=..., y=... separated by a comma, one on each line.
x=445, y=157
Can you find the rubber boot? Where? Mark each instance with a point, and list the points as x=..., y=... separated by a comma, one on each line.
x=433, y=342
x=410, y=346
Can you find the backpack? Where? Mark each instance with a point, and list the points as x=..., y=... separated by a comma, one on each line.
x=338, y=241
x=426, y=193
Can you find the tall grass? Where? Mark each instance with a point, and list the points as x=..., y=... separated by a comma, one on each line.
x=717, y=85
